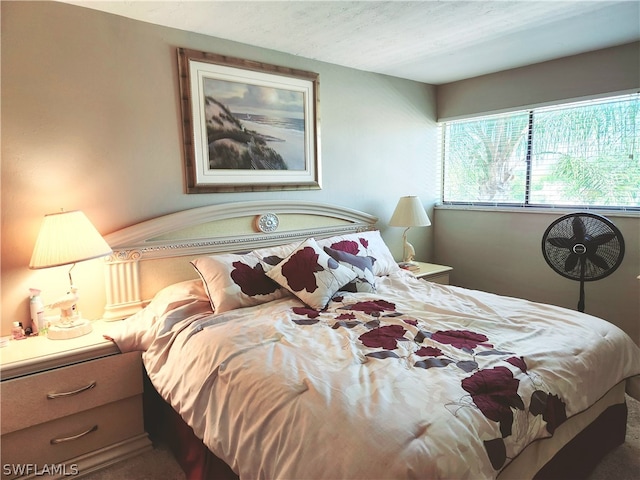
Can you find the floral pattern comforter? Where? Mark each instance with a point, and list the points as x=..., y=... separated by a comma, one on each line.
x=417, y=380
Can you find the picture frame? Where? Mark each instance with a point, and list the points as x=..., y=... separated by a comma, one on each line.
x=247, y=125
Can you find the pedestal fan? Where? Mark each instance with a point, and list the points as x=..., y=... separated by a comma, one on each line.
x=584, y=247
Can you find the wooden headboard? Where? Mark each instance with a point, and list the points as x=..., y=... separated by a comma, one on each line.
x=153, y=254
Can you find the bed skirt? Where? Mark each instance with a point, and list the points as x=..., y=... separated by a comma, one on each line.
x=575, y=460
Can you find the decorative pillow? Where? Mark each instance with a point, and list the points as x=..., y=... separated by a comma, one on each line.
x=311, y=275
x=365, y=244
x=180, y=302
x=361, y=266
x=271, y=256
x=234, y=281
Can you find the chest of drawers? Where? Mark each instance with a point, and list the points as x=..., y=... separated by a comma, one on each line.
x=71, y=416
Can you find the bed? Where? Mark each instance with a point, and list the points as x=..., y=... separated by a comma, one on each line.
x=281, y=340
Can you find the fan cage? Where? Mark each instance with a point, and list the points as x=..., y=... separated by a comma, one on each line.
x=612, y=251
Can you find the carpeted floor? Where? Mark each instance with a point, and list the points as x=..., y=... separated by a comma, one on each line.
x=623, y=463
x=157, y=464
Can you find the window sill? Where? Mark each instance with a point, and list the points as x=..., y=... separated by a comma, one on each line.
x=540, y=210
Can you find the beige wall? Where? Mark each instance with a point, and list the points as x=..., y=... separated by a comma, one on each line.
x=591, y=74
x=91, y=121
x=500, y=252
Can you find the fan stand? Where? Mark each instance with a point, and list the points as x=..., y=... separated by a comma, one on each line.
x=581, y=300
x=583, y=246
x=580, y=249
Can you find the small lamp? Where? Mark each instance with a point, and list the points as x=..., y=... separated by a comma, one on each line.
x=409, y=213
x=67, y=238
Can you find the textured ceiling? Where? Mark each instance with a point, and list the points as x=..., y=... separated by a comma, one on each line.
x=429, y=41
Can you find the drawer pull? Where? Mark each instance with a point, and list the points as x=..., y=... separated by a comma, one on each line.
x=56, y=441
x=52, y=396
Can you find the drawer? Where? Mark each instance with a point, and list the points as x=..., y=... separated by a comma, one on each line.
x=442, y=278
x=35, y=399
x=107, y=424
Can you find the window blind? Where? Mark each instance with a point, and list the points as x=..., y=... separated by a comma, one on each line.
x=578, y=154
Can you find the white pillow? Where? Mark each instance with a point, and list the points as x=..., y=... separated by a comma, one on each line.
x=235, y=281
x=311, y=275
x=365, y=244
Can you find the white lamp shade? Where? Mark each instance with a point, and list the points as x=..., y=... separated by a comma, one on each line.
x=409, y=213
x=67, y=237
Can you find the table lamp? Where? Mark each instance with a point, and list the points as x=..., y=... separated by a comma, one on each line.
x=66, y=238
x=409, y=213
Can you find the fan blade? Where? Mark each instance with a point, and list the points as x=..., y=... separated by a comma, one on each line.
x=561, y=242
x=602, y=239
x=571, y=262
x=579, y=231
x=598, y=260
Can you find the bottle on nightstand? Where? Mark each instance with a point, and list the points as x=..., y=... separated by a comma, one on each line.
x=36, y=307
x=17, y=333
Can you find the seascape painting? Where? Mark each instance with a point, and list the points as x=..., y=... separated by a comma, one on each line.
x=253, y=127
x=247, y=126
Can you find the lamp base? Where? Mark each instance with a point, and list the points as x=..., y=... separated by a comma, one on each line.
x=72, y=329
x=408, y=252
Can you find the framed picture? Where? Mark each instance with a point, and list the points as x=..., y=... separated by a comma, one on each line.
x=247, y=126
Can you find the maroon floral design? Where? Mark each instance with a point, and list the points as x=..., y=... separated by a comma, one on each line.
x=555, y=414
x=460, y=338
x=496, y=451
x=346, y=324
x=300, y=268
x=373, y=306
x=551, y=407
x=252, y=280
x=309, y=312
x=429, y=352
x=495, y=393
x=352, y=247
x=348, y=246
x=518, y=362
x=383, y=337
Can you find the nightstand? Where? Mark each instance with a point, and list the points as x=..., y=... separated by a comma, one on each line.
x=69, y=406
x=433, y=272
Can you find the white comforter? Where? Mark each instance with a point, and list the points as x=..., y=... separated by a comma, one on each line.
x=418, y=380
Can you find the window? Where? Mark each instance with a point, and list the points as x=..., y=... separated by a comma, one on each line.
x=580, y=154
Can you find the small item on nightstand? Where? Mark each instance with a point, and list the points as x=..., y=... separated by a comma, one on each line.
x=37, y=310
x=412, y=267
x=17, y=332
